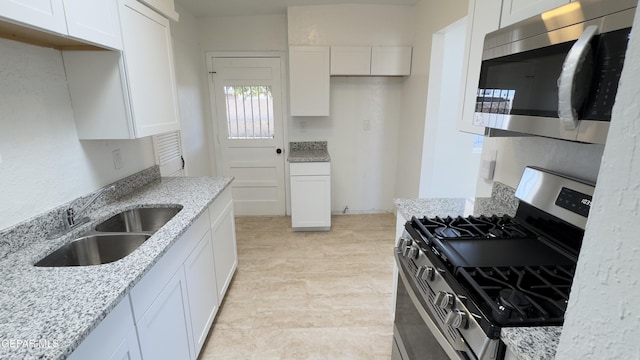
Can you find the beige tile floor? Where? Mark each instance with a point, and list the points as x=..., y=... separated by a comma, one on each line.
x=314, y=295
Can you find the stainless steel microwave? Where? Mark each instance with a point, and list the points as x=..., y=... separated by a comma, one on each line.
x=555, y=74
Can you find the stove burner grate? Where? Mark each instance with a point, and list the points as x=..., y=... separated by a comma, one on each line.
x=525, y=295
x=472, y=227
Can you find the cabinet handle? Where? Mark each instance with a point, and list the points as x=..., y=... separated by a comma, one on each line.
x=278, y=151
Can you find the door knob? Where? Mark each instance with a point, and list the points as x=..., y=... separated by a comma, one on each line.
x=278, y=151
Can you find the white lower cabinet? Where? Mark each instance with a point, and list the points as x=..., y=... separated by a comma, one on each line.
x=199, y=270
x=310, y=196
x=164, y=330
x=113, y=339
x=223, y=233
x=169, y=312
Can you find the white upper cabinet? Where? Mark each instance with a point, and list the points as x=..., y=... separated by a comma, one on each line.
x=484, y=18
x=96, y=21
x=391, y=60
x=148, y=56
x=309, y=80
x=164, y=7
x=350, y=60
x=516, y=10
x=371, y=61
x=130, y=94
x=43, y=14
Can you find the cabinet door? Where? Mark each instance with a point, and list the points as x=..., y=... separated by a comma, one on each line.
x=128, y=349
x=43, y=14
x=96, y=21
x=516, y=10
x=223, y=232
x=199, y=269
x=309, y=80
x=114, y=338
x=391, y=60
x=164, y=330
x=350, y=60
x=310, y=201
x=485, y=18
x=149, y=67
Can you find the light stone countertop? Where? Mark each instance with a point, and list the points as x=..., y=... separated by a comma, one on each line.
x=62, y=305
x=451, y=207
x=308, y=151
x=532, y=343
x=528, y=343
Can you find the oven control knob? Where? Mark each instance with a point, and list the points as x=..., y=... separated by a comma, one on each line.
x=413, y=252
x=445, y=300
x=426, y=273
x=404, y=242
x=405, y=251
x=456, y=319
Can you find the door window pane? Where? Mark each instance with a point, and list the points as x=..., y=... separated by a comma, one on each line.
x=249, y=112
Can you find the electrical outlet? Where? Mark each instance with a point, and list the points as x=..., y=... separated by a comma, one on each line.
x=366, y=125
x=117, y=159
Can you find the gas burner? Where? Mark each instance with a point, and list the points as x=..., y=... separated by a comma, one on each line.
x=511, y=301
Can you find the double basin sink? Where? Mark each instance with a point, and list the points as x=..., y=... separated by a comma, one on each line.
x=112, y=239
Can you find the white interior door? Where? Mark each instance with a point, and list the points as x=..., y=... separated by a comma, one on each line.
x=247, y=98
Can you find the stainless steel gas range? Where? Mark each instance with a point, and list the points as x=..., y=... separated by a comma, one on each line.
x=462, y=279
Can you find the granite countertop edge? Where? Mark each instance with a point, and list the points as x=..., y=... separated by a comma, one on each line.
x=526, y=343
x=308, y=151
x=62, y=305
x=532, y=343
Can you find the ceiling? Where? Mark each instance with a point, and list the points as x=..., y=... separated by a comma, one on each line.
x=207, y=8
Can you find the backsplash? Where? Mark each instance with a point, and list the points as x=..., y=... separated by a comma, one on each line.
x=505, y=194
x=41, y=225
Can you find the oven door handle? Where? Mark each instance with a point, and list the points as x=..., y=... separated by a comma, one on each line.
x=435, y=330
x=568, y=98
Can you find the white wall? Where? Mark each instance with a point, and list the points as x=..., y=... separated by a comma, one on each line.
x=192, y=96
x=449, y=164
x=602, y=319
x=244, y=33
x=429, y=17
x=43, y=162
x=363, y=159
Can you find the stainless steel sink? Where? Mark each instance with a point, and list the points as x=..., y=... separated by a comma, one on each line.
x=113, y=239
x=145, y=220
x=94, y=250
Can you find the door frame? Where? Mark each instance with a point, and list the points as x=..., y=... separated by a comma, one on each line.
x=213, y=123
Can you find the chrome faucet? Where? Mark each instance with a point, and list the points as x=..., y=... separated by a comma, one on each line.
x=73, y=218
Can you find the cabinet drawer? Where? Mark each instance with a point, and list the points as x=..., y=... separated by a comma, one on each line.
x=310, y=168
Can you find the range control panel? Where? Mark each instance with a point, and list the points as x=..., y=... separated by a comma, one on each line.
x=574, y=201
